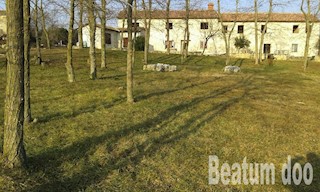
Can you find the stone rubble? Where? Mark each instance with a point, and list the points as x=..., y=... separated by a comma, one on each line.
x=160, y=67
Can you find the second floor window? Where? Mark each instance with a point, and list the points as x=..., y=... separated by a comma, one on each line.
x=263, y=27
x=240, y=28
x=169, y=26
x=204, y=25
x=225, y=29
x=295, y=29
x=135, y=24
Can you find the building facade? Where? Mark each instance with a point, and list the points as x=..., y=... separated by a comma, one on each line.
x=285, y=33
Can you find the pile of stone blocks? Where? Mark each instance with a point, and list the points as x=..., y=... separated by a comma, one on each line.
x=231, y=69
x=160, y=67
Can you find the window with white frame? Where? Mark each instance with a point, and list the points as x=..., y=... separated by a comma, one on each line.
x=294, y=48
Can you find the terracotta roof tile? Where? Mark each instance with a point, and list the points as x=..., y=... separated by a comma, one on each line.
x=227, y=17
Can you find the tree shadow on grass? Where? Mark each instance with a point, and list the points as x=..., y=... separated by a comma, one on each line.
x=50, y=162
x=91, y=108
x=314, y=160
x=169, y=59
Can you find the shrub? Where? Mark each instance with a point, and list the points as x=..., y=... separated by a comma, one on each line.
x=241, y=42
x=139, y=43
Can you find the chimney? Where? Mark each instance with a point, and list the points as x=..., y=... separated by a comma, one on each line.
x=210, y=6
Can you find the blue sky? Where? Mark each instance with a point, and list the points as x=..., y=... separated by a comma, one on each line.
x=228, y=5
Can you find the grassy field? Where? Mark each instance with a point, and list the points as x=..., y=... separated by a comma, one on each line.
x=88, y=138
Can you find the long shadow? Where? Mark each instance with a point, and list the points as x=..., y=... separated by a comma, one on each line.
x=163, y=92
x=50, y=161
x=166, y=59
x=314, y=160
x=92, y=108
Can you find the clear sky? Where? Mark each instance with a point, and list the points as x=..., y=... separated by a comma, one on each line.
x=228, y=5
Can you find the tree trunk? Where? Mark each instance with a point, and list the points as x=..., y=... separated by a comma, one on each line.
x=167, y=23
x=80, y=24
x=44, y=29
x=13, y=148
x=309, y=20
x=92, y=50
x=186, y=33
x=256, y=43
x=36, y=33
x=130, y=98
x=69, y=64
x=26, y=30
x=306, y=48
x=122, y=31
x=265, y=30
x=134, y=33
x=103, y=34
x=147, y=23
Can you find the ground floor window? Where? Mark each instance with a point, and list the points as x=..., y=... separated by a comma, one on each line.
x=203, y=45
x=170, y=44
x=108, y=38
x=294, y=48
x=125, y=42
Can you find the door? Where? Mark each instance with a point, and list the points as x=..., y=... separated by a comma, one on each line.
x=266, y=50
x=125, y=42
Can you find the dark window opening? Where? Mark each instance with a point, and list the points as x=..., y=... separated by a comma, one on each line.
x=295, y=29
x=263, y=27
x=108, y=38
x=240, y=29
x=204, y=25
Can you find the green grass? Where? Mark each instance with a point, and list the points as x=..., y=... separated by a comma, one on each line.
x=88, y=138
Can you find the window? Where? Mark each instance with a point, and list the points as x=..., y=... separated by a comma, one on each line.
x=204, y=25
x=108, y=38
x=225, y=29
x=294, y=48
x=203, y=45
x=169, y=26
x=125, y=42
x=295, y=29
x=135, y=24
x=170, y=43
x=240, y=28
x=263, y=27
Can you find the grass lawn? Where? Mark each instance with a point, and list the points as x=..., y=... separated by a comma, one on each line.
x=88, y=138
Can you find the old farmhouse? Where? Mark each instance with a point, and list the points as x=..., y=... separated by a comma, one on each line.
x=285, y=33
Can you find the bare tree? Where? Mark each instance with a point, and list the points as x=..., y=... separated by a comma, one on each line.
x=43, y=23
x=186, y=39
x=103, y=33
x=256, y=47
x=264, y=30
x=226, y=33
x=92, y=51
x=168, y=2
x=13, y=148
x=36, y=32
x=26, y=32
x=210, y=34
x=147, y=24
x=69, y=64
x=130, y=53
x=310, y=19
x=80, y=24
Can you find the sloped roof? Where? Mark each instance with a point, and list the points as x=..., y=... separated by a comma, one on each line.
x=275, y=17
x=227, y=17
x=175, y=14
x=107, y=27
